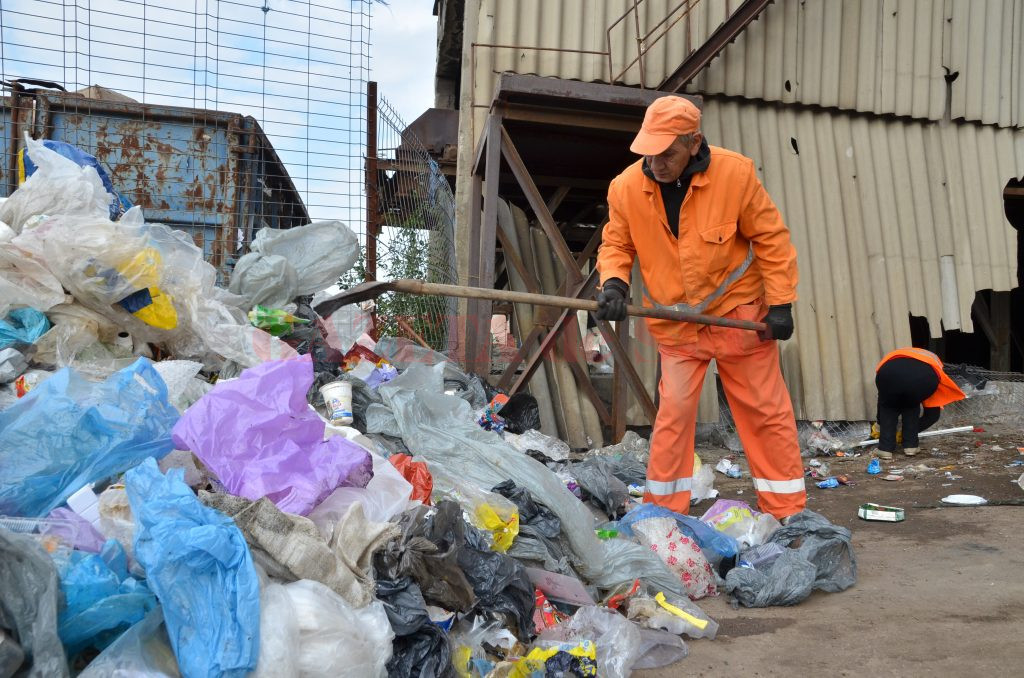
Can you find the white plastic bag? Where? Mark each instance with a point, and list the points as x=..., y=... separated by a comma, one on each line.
x=58, y=186
x=320, y=252
x=336, y=639
x=386, y=495
x=265, y=280
x=280, y=644
x=143, y=651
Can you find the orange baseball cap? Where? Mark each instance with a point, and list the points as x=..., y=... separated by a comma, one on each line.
x=665, y=119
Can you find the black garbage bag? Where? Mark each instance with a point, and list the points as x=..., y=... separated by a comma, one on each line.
x=819, y=556
x=420, y=648
x=521, y=413
x=499, y=581
x=435, y=569
x=596, y=475
x=29, y=598
x=530, y=512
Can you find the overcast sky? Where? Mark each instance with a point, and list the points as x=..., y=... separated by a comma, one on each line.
x=404, y=54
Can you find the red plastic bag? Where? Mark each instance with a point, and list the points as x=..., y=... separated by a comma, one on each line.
x=417, y=474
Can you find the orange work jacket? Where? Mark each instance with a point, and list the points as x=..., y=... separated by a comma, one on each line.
x=726, y=220
x=947, y=392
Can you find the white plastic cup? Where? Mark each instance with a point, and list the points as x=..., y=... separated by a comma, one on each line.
x=337, y=397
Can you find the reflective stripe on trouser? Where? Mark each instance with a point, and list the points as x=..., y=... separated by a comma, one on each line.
x=760, y=405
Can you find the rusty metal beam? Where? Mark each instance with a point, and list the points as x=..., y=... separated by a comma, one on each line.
x=620, y=394
x=591, y=246
x=697, y=60
x=540, y=210
x=623, y=363
x=584, y=383
x=557, y=197
x=549, y=339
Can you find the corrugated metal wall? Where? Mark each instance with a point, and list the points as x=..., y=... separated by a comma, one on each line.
x=878, y=56
x=873, y=204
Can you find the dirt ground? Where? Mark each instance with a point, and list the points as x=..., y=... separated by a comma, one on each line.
x=940, y=594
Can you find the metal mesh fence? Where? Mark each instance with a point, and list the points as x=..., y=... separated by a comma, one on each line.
x=412, y=214
x=218, y=117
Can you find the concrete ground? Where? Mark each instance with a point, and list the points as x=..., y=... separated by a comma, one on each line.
x=940, y=594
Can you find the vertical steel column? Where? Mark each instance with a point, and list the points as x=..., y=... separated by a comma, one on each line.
x=372, y=191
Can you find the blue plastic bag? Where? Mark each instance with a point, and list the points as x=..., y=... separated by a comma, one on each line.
x=23, y=326
x=102, y=600
x=67, y=432
x=713, y=543
x=199, y=565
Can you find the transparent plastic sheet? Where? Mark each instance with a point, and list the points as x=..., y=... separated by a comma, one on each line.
x=675, y=614
x=102, y=600
x=467, y=639
x=259, y=437
x=11, y=655
x=442, y=430
x=336, y=639
x=386, y=495
x=404, y=353
x=152, y=282
x=24, y=280
x=320, y=252
x=552, y=448
x=144, y=650
x=658, y=649
x=75, y=530
x=29, y=600
x=199, y=566
x=617, y=639
x=75, y=328
x=67, y=432
x=116, y=520
x=420, y=648
x=58, y=186
x=280, y=643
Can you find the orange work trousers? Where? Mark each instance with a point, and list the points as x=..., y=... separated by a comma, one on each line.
x=760, y=405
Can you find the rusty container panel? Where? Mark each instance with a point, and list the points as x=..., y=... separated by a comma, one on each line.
x=212, y=174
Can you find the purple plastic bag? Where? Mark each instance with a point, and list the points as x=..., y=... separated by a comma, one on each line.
x=260, y=438
x=87, y=538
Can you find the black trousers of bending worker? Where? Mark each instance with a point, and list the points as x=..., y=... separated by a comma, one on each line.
x=903, y=384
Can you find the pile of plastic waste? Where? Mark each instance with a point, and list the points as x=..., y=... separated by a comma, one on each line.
x=200, y=481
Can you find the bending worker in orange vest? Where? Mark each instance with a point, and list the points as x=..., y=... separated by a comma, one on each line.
x=907, y=379
x=709, y=239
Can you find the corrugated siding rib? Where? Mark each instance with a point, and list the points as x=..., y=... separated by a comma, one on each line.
x=877, y=56
x=873, y=204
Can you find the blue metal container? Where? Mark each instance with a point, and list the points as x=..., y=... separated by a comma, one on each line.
x=213, y=174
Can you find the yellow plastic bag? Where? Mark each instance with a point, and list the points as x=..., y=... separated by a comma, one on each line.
x=143, y=270
x=494, y=514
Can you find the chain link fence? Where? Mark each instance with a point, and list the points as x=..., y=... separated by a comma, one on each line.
x=411, y=232
x=217, y=117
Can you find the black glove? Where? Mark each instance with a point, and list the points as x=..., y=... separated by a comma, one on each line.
x=779, y=321
x=611, y=302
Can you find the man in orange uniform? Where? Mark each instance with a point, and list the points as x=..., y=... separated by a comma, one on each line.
x=907, y=380
x=709, y=240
